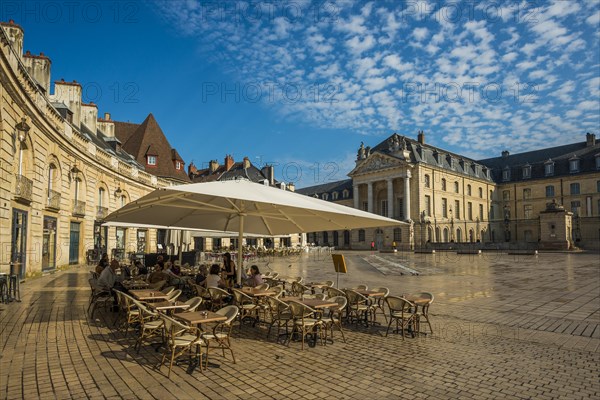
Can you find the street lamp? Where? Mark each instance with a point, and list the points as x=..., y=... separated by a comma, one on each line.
x=21, y=134
x=506, y=223
x=451, y=224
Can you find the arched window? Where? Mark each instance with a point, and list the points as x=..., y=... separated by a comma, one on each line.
x=51, y=176
x=325, y=196
x=101, y=192
x=325, y=238
x=445, y=235
x=458, y=235
x=427, y=181
x=334, y=195
x=346, y=193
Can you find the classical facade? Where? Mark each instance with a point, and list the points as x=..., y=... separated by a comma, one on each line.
x=449, y=198
x=63, y=169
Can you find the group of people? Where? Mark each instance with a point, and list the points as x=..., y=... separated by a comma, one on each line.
x=225, y=277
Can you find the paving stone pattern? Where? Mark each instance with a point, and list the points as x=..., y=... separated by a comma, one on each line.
x=504, y=327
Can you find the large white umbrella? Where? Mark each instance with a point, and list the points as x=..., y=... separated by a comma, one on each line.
x=243, y=206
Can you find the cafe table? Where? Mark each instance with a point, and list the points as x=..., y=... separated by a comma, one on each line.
x=312, y=303
x=254, y=292
x=169, y=306
x=135, y=284
x=148, y=295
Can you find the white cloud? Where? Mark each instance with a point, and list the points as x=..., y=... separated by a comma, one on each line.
x=594, y=19
x=510, y=57
x=358, y=45
x=420, y=34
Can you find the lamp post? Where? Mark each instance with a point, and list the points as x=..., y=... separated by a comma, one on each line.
x=451, y=224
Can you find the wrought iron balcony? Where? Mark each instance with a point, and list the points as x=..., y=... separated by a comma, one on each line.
x=78, y=208
x=23, y=189
x=101, y=212
x=53, y=200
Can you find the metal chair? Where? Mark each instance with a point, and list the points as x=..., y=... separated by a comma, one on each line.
x=221, y=332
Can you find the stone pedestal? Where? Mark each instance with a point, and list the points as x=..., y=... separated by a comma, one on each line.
x=556, y=226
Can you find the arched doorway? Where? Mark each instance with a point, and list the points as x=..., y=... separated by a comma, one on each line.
x=445, y=235
x=458, y=235
x=471, y=236
x=437, y=234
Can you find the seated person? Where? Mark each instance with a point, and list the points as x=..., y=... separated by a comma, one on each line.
x=103, y=263
x=173, y=272
x=255, y=278
x=158, y=275
x=110, y=282
x=141, y=268
x=202, y=274
x=214, y=278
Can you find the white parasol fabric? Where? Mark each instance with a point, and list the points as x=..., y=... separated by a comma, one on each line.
x=243, y=206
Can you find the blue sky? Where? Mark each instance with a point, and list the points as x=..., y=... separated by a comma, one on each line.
x=301, y=84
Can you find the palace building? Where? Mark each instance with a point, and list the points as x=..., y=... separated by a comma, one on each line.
x=63, y=169
x=518, y=200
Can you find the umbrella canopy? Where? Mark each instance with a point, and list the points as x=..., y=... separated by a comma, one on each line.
x=241, y=206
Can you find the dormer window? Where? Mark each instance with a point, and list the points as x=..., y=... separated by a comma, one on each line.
x=598, y=161
x=506, y=174
x=574, y=165
x=527, y=171
x=151, y=160
x=334, y=195
x=178, y=165
x=549, y=168
x=346, y=193
x=325, y=196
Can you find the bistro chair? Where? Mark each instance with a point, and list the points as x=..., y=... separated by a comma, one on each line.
x=333, y=292
x=167, y=291
x=278, y=290
x=304, y=321
x=203, y=292
x=194, y=303
x=150, y=324
x=179, y=339
x=221, y=332
x=359, y=307
x=217, y=297
x=402, y=312
x=174, y=295
x=424, y=313
x=361, y=287
x=334, y=318
x=98, y=296
x=263, y=286
x=247, y=306
x=299, y=289
x=157, y=285
x=379, y=302
x=280, y=315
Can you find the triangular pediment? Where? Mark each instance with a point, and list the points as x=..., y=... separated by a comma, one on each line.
x=376, y=162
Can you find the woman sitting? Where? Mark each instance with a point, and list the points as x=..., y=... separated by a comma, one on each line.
x=214, y=278
x=255, y=278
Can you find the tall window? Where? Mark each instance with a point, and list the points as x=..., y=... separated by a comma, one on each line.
x=51, y=173
x=361, y=235
x=334, y=195
x=527, y=211
x=526, y=194
x=444, y=208
x=401, y=208
x=77, y=186
x=123, y=201
x=506, y=195
x=549, y=191
x=597, y=162
x=455, y=187
x=598, y=186
x=575, y=189
x=427, y=181
x=457, y=209
x=575, y=207
x=365, y=206
x=427, y=206
x=527, y=172
x=481, y=212
x=480, y=193
x=384, y=207
x=506, y=174
x=397, y=235
x=443, y=184
x=470, y=210
x=468, y=190
x=100, y=197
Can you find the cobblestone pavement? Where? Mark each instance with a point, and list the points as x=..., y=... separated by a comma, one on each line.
x=504, y=327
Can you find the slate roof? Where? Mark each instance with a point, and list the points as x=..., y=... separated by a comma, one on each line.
x=148, y=138
x=102, y=142
x=329, y=187
x=237, y=170
x=537, y=159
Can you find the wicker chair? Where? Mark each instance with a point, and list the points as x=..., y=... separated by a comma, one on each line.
x=401, y=311
x=424, y=313
x=334, y=318
x=98, y=296
x=194, y=303
x=179, y=339
x=247, y=306
x=167, y=291
x=304, y=322
x=174, y=295
x=333, y=292
x=221, y=332
x=280, y=315
x=217, y=297
x=379, y=302
x=359, y=307
x=150, y=324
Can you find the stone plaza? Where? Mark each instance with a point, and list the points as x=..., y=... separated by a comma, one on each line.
x=504, y=326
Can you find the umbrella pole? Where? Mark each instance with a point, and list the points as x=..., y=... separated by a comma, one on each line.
x=180, y=248
x=240, y=257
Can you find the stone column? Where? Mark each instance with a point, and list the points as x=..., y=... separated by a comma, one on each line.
x=355, y=194
x=370, y=197
x=390, y=197
x=407, y=196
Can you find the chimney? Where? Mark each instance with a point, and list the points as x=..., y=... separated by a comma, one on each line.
x=291, y=187
x=505, y=154
x=69, y=93
x=15, y=36
x=228, y=162
x=192, y=169
x=107, y=116
x=89, y=116
x=269, y=173
x=421, y=137
x=39, y=69
x=590, y=139
x=213, y=165
x=246, y=163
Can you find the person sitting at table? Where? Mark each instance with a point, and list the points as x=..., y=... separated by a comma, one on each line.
x=141, y=268
x=202, y=274
x=109, y=280
x=158, y=275
x=214, y=278
x=174, y=273
x=102, y=264
x=255, y=278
